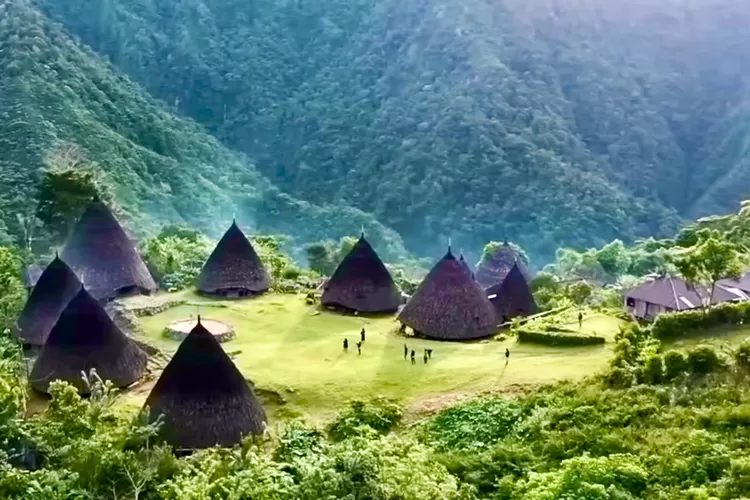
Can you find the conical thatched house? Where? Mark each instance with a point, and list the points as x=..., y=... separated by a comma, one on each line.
x=203, y=397
x=466, y=265
x=84, y=338
x=512, y=297
x=362, y=283
x=234, y=268
x=493, y=267
x=55, y=288
x=103, y=256
x=449, y=305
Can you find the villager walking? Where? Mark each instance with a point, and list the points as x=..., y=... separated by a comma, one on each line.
x=362, y=335
x=580, y=320
x=425, y=357
x=507, y=355
x=413, y=354
x=406, y=352
x=359, y=347
x=346, y=344
x=429, y=353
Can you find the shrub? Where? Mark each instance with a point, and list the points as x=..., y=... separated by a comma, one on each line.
x=654, y=370
x=362, y=418
x=742, y=355
x=685, y=323
x=703, y=360
x=559, y=338
x=675, y=364
x=476, y=424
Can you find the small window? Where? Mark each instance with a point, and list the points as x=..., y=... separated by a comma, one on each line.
x=630, y=301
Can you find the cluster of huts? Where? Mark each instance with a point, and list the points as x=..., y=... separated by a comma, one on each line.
x=201, y=396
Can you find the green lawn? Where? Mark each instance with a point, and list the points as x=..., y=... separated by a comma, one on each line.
x=293, y=353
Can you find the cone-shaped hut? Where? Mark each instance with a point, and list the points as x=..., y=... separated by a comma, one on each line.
x=362, y=283
x=466, y=265
x=234, y=268
x=204, y=398
x=83, y=338
x=449, y=305
x=512, y=297
x=103, y=256
x=56, y=287
x=494, y=266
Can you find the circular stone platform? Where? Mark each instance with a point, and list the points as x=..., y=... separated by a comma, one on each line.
x=221, y=331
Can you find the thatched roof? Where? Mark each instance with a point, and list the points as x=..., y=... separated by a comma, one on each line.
x=103, y=256
x=466, y=265
x=30, y=275
x=84, y=338
x=512, y=297
x=362, y=283
x=449, y=305
x=493, y=268
x=204, y=398
x=55, y=288
x=234, y=265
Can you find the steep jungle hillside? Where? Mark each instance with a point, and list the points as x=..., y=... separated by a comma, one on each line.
x=163, y=168
x=552, y=122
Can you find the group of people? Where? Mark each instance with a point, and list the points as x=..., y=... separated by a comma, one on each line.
x=362, y=335
x=426, y=356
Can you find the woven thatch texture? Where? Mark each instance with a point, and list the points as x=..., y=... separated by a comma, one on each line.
x=492, y=270
x=466, y=265
x=513, y=296
x=449, y=305
x=55, y=288
x=203, y=397
x=362, y=283
x=234, y=265
x=103, y=256
x=84, y=338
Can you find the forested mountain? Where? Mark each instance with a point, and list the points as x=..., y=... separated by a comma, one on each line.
x=57, y=95
x=548, y=121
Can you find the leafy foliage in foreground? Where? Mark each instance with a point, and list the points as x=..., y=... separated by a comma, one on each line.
x=682, y=434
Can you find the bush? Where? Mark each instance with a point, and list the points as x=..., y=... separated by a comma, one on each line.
x=703, y=360
x=742, y=355
x=560, y=338
x=684, y=323
x=654, y=372
x=362, y=418
x=675, y=364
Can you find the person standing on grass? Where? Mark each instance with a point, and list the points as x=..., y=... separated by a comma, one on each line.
x=362, y=335
x=425, y=356
x=580, y=320
x=406, y=352
x=413, y=354
x=346, y=344
x=429, y=353
x=359, y=347
x=507, y=355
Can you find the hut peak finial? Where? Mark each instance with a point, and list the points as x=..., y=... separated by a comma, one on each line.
x=449, y=243
x=234, y=217
x=362, y=231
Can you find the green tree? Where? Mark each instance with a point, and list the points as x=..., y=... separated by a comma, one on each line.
x=12, y=291
x=67, y=185
x=711, y=259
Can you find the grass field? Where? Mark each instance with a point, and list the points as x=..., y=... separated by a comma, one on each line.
x=294, y=355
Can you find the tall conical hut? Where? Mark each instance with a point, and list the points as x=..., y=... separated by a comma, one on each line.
x=495, y=265
x=104, y=257
x=362, y=283
x=54, y=290
x=512, y=298
x=449, y=305
x=234, y=269
x=204, y=399
x=85, y=338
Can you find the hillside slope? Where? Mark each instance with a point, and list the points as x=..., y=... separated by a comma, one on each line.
x=551, y=122
x=163, y=168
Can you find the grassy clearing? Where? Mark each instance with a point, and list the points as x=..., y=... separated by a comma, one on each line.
x=294, y=355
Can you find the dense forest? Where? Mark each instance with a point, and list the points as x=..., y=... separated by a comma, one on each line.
x=549, y=122
x=62, y=108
